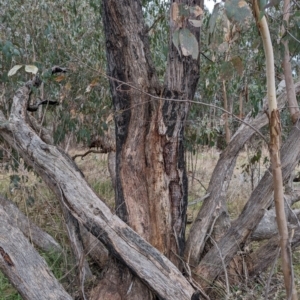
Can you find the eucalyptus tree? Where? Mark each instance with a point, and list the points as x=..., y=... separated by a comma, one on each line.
x=151, y=97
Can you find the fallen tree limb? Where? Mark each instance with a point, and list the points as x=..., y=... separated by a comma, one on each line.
x=25, y=268
x=263, y=257
x=261, y=198
x=40, y=238
x=267, y=227
x=46, y=242
x=213, y=205
x=76, y=195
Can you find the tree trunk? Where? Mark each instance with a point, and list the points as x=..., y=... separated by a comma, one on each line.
x=213, y=205
x=151, y=183
x=67, y=182
x=267, y=227
x=287, y=68
x=274, y=148
x=24, y=267
x=261, y=198
x=226, y=125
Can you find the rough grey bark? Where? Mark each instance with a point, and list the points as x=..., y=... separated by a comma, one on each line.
x=46, y=242
x=73, y=229
x=264, y=256
x=267, y=227
x=24, y=267
x=213, y=205
x=261, y=198
x=94, y=248
x=40, y=238
x=60, y=173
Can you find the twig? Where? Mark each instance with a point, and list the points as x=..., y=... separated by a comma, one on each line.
x=207, y=57
x=199, y=200
x=190, y=279
x=154, y=23
x=88, y=152
x=293, y=36
x=171, y=99
x=271, y=274
x=224, y=267
x=199, y=182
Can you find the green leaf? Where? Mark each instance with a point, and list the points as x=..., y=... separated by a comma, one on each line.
x=188, y=43
x=15, y=181
x=14, y=70
x=31, y=69
x=30, y=201
x=237, y=11
x=262, y=4
x=261, y=14
x=213, y=18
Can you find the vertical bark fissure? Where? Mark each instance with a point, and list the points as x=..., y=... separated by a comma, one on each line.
x=129, y=61
x=181, y=80
x=151, y=183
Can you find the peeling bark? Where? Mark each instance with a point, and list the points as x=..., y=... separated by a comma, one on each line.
x=261, y=198
x=274, y=147
x=66, y=181
x=24, y=267
x=151, y=182
x=213, y=205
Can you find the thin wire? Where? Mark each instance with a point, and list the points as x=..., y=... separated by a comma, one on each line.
x=171, y=99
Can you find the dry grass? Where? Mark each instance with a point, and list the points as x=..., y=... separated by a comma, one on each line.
x=37, y=201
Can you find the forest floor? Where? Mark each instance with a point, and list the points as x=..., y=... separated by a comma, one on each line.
x=33, y=197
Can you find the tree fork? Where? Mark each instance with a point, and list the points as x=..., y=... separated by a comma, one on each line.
x=66, y=181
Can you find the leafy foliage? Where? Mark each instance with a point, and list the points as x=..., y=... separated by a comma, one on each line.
x=237, y=11
x=69, y=34
x=64, y=33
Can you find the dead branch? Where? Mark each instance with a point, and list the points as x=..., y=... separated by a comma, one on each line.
x=39, y=237
x=80, y=200
x=24, y=267
x=87, y=153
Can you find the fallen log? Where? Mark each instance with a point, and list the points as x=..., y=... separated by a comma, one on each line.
x=26, y=269
x=40, y=238
x=76, y=195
